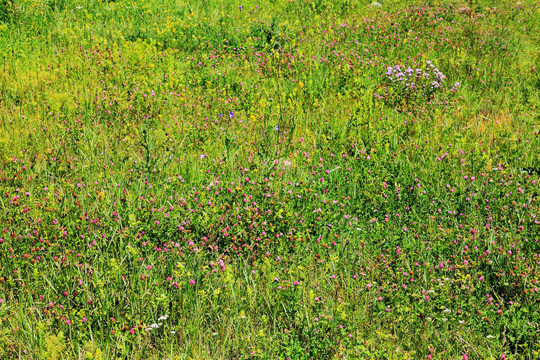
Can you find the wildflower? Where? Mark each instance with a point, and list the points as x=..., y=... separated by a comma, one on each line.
x=192, y=282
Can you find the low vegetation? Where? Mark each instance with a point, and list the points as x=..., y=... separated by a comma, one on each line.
x=303, y=179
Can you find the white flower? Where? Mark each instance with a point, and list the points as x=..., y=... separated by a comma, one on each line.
x=490, y=336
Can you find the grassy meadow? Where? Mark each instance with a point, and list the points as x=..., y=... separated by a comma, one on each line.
x=273, y=179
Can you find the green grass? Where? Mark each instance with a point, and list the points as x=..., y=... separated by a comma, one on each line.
x=247, y=180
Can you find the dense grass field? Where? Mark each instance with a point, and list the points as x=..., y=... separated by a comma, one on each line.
x=281, y=179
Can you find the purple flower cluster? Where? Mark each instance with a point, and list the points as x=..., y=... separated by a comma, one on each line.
x=416, y=79
x=414, y=86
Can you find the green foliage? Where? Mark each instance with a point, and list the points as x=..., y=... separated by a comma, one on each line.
x=213, y=179
x=6, y=10
x=55, y=346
